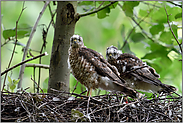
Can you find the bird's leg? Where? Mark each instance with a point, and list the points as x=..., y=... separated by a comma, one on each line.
x=126, y=99
x=88, y=92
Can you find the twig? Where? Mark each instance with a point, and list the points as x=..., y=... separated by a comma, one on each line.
x=137, y=24
x=22, y=68
x=68, y=93
x=97, y=10
x=34, y=71
x=150, y=4
x=44, y=33
x=26, y=109
x=143, y=30
x=127, y=105
x=52, y=16
x=37, y=65
x=37, y=85
x=23, y=63
x=100, y=4
x=175, y=4
x=6, y=42
x=75, y=87
x=14, y=45
x=172, y=30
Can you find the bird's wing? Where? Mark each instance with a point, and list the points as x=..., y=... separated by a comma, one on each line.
x=143, y=74
x=99, y=63
x=102, y=69
x=103, y=60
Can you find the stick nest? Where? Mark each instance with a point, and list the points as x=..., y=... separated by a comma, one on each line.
x=65, y=107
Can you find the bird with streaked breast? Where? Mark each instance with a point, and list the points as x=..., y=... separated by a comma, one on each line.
x=93, y=71
x=137, y=74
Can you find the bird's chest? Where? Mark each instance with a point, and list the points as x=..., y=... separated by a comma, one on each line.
x=82, y=70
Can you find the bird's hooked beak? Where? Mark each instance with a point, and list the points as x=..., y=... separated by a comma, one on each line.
x=75, y=41
x=110, y=55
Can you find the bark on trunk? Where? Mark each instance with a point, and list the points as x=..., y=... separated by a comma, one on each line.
x=59, y=73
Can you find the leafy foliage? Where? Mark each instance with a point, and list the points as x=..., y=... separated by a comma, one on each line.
x=151, y=30
x=12, y=83
x=23, y=30
x=141, y=26
x=91, y=6
x=128, y=7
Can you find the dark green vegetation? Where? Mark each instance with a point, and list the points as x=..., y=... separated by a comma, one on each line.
x=141, y=28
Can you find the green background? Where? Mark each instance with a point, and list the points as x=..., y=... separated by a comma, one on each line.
x=100, y=31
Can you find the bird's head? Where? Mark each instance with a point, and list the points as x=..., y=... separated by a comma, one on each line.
x=76, y=41
x=112, y=52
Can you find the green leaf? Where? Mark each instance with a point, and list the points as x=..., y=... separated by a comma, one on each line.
x=23, y=30
x=12, y=87
x=155, y=46
x=8, y=33
x=156, y=29
x=151, y=55
x=123, y=31
x=143, y=12
x=45, y=84
x=174, y=28
x=126, y=49
x=155, y=66
x=113, y=6
x=162, y=54
x=103, y=13
x=166, y=37
x=136, y=37
x=16, y=81
x=179, y=15
x=159, y=16
x=86, y=3
x=128, y=7
x=9, y=80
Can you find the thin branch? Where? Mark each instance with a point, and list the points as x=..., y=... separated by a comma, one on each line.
x=52, y=15
x=127, y=105
x=37, y=65
x=6, y=42
x=97, y=10
x=44, y=34
x=137, y=24
x=34, y=85
x=75, y=87
x=23, y=62
x=100, y=4
x=175, y=4
x=143, y=30
x=22, y=68
x=151, y=4
x=14, y=45
x=172, y=30
x=37, y=85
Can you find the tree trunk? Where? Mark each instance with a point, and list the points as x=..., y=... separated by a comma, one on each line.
x=59, y=73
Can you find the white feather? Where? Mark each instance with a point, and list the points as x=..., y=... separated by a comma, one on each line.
x=124, y=68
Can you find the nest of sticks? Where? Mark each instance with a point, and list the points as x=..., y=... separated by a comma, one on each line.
x=66, y=107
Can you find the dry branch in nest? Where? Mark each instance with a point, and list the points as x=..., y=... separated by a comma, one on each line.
x=28, y=107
